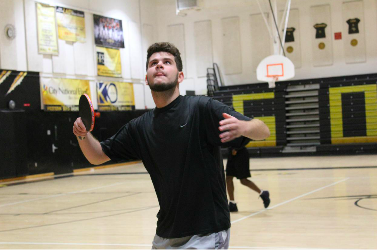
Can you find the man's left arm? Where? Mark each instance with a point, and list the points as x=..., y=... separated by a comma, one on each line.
x=232, y=128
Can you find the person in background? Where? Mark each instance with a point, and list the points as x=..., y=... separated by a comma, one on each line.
x=238, y=166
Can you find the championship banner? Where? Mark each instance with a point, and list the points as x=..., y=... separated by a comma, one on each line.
x=108, y=32
x=71, y=24
x=62, y=94
x=108, y=62
x=47, y=35
x=115, y=96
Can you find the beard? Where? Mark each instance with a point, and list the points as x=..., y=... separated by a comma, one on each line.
x=161, y=87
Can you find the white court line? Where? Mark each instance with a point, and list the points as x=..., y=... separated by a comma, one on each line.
x=298, y=197
x=75, y=244
x=307, y=178
x=58, y=195
x=149, y=245
x=295, y=248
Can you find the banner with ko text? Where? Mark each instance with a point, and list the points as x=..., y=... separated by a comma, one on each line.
x=115, y=96
x=60, y=94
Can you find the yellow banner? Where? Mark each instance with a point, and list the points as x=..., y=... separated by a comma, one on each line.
x=62, y=94
x=115, y=96
x=108, y=62
x=47, y=35
x=71, y=24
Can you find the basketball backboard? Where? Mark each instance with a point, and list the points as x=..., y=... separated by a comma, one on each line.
x=275, y=68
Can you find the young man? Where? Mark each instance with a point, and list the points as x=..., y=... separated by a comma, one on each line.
x=179, y=143
x=238, y=166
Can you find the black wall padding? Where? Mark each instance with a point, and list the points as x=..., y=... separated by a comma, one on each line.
x=110, y=122
x=51, y=143
x=13, y=144
x=54, y=148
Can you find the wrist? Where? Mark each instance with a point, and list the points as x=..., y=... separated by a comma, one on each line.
x=246, y=128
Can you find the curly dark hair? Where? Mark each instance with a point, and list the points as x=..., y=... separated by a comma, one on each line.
x=165, y=47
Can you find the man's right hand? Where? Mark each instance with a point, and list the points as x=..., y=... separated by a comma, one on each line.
x=90, y=147
x=79, y=128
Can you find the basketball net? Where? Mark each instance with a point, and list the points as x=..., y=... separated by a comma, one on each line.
x=271, y=84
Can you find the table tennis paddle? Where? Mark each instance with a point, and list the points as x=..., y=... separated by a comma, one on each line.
x=86, y=112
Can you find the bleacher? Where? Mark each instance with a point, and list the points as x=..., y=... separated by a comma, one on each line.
x=324, y=116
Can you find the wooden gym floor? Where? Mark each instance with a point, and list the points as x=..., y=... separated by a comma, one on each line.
x=317, y=203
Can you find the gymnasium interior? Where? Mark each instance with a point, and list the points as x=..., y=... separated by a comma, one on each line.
x=319, y=163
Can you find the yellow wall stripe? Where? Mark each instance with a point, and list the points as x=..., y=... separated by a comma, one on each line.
x=336, y=116
x=239, y=99
x=238, y=105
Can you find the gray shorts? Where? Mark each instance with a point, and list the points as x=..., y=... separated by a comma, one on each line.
x=218, y=240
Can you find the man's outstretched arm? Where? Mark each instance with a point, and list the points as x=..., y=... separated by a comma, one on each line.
x=90, y=146
x=232, y=128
